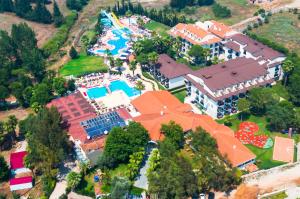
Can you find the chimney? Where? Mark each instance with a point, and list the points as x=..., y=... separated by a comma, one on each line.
x=290, y=132
x=161, y=113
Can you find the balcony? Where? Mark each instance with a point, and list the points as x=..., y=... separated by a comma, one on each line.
x=233, y=110
x=227, y=107
x=220, y=115
x=220, y=103
x=220, y=110
x=242, y=95
x=228, y=101
x=235, y=98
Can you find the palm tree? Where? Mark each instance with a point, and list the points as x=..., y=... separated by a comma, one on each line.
x=140, y=86
x=132, y=66
x=119, y=63
x=153, y=58
x=287, y=67
x=84, y=167
x=128, y=14
x=73, y=179
x=140, y=22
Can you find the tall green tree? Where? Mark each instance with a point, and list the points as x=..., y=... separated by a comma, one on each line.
x=4, y=93
x=119, y=188
x=259, y=99
x=243, y=106
x=287, y=67
x=48, y=143
x=6, y=6
x=41, y=13
x=58, y=18
x=23, y=8
x=174, y=133
x=73, y=53
x=121, y=143
x=60, y=85
x=133, y=66
x=4, y=174
x=73, y=179
x=198, y=53
x=294, y=88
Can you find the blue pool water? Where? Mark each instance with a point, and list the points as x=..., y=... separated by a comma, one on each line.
x=121, y=85
x=117, y=85
x=96, y=92
x=119, y=41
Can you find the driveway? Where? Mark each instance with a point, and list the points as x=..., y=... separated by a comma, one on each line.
x=142, y=180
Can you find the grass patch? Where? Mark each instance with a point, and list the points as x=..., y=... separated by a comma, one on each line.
x=280, y=195
x=121, y=170
x=264, y=157
x=83, y=65
x=284, y=29
x=159, y=28
x=180, y=95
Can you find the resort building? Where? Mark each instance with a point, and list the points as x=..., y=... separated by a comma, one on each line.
x=216, y=89
x=240, y=45
x=160, y=107
x=168, y=72
x=21, y=176
x=87, y=129
x=17, y=165
x=208, y=34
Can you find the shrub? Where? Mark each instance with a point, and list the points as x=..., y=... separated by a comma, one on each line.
x=73, y=53
x=221, y=11
x=249, y=27
x=266, y=20
x=55, y=43
x=227, y=122
x=48, y=185
x=255, y=25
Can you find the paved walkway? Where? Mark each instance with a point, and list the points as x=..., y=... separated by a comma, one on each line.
x=298, y=152
x=142, y=180
x=293, y=192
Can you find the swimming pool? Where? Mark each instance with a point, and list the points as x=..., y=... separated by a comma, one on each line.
x=121, y=85
x=119, y=41
x=96, y=92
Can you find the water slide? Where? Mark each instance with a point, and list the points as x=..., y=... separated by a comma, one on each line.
x=113, y=18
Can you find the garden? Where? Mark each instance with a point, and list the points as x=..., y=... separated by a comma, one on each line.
x=263, y=155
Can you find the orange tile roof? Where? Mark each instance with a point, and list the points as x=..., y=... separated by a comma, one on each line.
x=202, y=36
x=220, y=29
x=283, y=149
x=94, y=144
x=153, y=116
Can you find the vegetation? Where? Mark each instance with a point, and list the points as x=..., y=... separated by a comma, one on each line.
x=221, y=11
x=8, y=132
x=73, y=53
x=180, y=95
x=180, y=4
x=157, y=27
x=172, y=174
x=76, y=4
x=24, y=9
x=83, y=65
x=48, y=143
x=121, y=143
x=73, y=179
x=283, y=28
x=4, y=174
x=165, y=16
x=198, y=53
x=135, y=161
x=55, y=43
x=58, y=18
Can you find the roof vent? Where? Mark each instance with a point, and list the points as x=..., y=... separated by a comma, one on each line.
x=234, y=146
x=255, y=43
x=168, y=62
x=161, y=113
x=233, y=73
x=206, y=76
x=223, y=66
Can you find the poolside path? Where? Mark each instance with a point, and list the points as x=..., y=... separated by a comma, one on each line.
x=149, y=84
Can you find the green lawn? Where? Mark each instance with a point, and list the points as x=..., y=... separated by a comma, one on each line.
x=180, y=95
x=284, y=29
x=281, y=195
x=159, y=28
x=280, y=91
x=264, y=156
x=83, y=65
